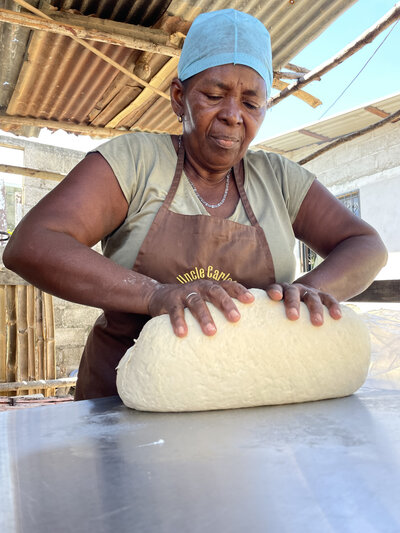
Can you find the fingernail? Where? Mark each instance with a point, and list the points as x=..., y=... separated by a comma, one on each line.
x=293, y=313
x=210, y=328
x=248, y=296
x=180, y=331
x=234, y=315
x=275, y=293
x=337, y=313
x=318, y=318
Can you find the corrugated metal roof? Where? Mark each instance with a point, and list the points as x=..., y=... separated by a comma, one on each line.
x=292, y=26
x=302, y=142
x=142, y=12
x=49, y=76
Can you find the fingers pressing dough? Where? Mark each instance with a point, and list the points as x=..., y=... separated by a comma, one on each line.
x=264, y=359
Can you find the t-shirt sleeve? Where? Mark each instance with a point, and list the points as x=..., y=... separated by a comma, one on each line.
x=122, y=154
x=295, y=182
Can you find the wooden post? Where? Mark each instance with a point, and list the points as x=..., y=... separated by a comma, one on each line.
x=3, y=337
x=48, y=340
x=21, y=341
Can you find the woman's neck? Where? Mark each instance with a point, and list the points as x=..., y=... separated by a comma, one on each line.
x=197, y=172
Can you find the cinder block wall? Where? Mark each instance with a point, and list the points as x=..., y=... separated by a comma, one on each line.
x=73, y=323
x=371, y=158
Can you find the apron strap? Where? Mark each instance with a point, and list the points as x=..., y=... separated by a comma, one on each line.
x=177, y=176
x=238, y=173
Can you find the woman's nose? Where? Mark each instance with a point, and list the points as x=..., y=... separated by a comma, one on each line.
x=231, y=111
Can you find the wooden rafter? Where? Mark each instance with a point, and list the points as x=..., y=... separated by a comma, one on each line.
x=302, y=95
x=365, y=38
x=31, y=172
x=9, y=145
x=78, y=28
x=105, y=133
x=146, y=94
x=95, y=51
x=99, y=30
x=296, y=68
x=376, y=111
x=315, y=135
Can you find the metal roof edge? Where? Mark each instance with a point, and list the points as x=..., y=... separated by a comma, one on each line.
x=331, y=118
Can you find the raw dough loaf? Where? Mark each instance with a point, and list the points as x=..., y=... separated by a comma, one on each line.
x=264, y=359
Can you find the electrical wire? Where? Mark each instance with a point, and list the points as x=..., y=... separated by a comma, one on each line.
x=356, y=76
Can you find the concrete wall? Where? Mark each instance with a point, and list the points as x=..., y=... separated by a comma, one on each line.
x=370, y=164
x=72, y=321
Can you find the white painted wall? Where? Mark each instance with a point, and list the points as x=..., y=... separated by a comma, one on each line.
x=371, y=164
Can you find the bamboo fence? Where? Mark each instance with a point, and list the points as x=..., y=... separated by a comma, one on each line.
x=27, y=346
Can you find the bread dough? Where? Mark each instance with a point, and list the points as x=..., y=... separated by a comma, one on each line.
x=264, y=359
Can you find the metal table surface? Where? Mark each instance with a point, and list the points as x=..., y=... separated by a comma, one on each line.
x=96, y=466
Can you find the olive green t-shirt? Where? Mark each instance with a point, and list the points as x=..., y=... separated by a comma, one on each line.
x=144, y=165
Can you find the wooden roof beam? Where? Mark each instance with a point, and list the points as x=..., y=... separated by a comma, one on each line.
x=365, y=38
x=315, y=135
x=376, y=111
x=302, y=95
x=95, y=51
x=8, y=121
x=100, y=30
x=31, y=172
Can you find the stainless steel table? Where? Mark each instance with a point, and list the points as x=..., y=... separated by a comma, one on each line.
x=96, y=466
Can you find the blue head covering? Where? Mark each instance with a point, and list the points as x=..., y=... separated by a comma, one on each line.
x=223, y=37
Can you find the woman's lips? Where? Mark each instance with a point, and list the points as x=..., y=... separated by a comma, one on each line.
x=225, y=142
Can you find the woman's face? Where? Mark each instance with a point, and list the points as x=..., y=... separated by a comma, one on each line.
x=223, y=107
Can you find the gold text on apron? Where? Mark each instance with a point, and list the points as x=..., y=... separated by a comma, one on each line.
x=208, y=272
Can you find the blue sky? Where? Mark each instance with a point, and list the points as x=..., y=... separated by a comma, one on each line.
x=380, y=78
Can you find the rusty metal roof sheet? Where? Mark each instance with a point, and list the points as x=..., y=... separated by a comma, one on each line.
x=143, y=12
x=48, y=76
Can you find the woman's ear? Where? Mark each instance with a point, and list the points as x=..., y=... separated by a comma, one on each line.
x=177, y=96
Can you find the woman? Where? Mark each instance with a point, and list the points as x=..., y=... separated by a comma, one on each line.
x=192, y=219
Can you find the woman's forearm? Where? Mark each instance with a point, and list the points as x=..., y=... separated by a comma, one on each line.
x=60, y=265
x=350, y=268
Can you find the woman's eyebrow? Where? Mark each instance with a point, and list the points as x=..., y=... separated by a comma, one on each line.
x=217, y=83
x=221, y=85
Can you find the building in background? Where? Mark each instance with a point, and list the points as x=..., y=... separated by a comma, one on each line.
x=364, y=173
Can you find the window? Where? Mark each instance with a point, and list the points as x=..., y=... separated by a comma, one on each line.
x=308, y=258
x=352, y=201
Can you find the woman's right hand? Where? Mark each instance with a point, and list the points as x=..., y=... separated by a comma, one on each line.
x=172, y=299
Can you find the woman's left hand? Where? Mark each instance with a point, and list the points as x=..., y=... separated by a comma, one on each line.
x=315, y=300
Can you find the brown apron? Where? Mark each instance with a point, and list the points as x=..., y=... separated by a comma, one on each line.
x=177, y=249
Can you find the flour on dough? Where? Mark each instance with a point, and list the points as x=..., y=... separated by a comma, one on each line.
x=264, y=359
